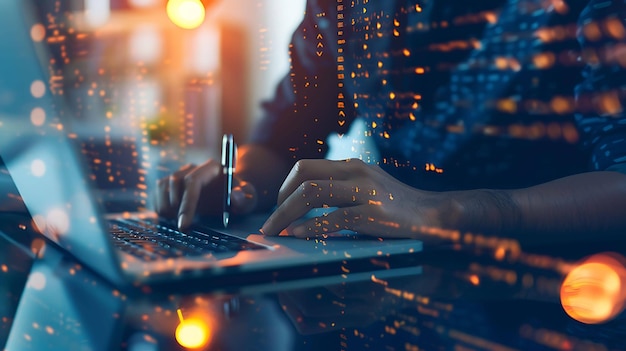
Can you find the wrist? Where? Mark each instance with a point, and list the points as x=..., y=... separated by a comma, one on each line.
x=484, y=210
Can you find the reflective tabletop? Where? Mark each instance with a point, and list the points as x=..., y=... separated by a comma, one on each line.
x=461, y=297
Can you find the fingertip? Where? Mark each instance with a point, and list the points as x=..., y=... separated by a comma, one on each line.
x=183, y=221
x=265, y=231
x=174, y=192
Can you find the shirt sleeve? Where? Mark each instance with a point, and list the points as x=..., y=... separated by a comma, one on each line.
x=304, y=110
x=601, y=95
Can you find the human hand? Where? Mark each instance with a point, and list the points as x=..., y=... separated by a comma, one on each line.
x=198, y=190
x=369, y=201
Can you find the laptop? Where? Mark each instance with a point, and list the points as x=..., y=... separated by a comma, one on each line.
x=42, y=153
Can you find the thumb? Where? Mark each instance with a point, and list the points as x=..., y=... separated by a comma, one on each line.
x=244, y=198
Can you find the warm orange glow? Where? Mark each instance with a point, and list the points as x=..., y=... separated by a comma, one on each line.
x=562, y=105
x=38, y=32
x=570, y=133
x=514, y=65
x=615, y=28
x=593, y=292
x=491, y=17
x=507, y=105
x=560, y=6
x=592, y=31
x=187, y=14
x=193, y=333
x=609, y=103
x=501, y=63
x=544, y=60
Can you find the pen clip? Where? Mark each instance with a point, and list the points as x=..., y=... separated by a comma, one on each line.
x=225, y=143
x=229, y=153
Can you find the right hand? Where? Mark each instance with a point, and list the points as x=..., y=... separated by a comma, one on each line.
x=198, y=190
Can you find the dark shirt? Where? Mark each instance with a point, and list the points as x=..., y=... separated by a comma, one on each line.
x=458, y=94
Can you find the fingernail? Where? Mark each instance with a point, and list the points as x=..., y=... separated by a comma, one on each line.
x=264, y=231
x=181, y=221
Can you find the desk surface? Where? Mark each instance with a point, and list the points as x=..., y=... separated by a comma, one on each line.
x=463, y=299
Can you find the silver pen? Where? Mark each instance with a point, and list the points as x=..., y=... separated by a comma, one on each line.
x=228, y=169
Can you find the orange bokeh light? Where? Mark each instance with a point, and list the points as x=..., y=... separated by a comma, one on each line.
x=193, y=333
x=186, y=14
x=594, y=291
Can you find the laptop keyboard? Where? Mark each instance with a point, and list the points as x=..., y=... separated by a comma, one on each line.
x=152, y=240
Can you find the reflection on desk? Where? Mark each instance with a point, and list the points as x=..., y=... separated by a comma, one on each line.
x=462, y=300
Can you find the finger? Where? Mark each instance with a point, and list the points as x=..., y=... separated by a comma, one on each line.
x=162, y=198
x=305, y=170
x=243, y=198
x=310, y=195
x=193, y=182
x=347, y=218
x=365, y=219
x=176, y=184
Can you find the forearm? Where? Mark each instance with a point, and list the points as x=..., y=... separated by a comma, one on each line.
x=574, y=208
x=265, y=170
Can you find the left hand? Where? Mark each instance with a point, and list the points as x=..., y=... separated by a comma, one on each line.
x=369, y=201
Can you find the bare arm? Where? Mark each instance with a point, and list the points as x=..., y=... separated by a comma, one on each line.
x=583, y=207
x=575, y=208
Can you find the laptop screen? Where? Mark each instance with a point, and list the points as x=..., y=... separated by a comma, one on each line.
x=38, y=149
